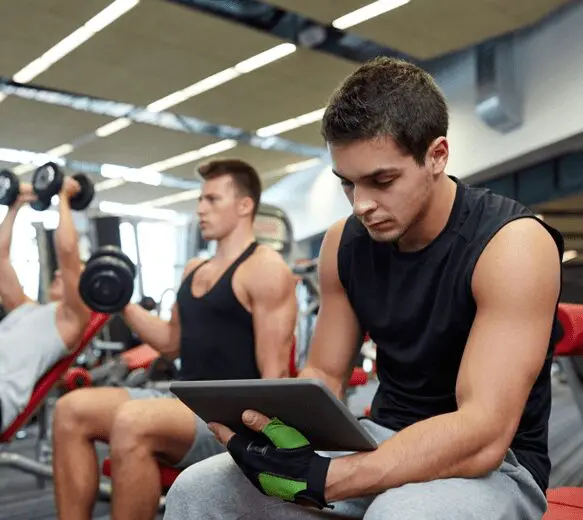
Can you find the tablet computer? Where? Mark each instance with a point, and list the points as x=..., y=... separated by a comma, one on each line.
x=305, y=404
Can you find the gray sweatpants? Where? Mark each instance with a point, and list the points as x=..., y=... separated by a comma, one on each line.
x=216, y=489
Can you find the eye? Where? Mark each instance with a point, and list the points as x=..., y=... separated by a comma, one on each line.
x=346, y=184
x=384, y=182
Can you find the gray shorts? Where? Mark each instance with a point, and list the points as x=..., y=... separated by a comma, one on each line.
x=217, y=489
x=205, y=444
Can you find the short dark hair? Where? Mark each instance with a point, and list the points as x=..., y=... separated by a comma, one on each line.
x=245, y=177
x=387, y=97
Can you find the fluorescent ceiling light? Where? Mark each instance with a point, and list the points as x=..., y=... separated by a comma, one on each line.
x=23, y=156
x=183, y=196
x=61, y=150
x=266, y=57
x=141, y=175
x=193, y=155
x=570, y=255
x=204, y=85
x=104, y=18
x=367, y=12
x=113, y=127
x=134, y=210
x=291, y=124
x=109, y=184
x=39, y=159
x=193, y=90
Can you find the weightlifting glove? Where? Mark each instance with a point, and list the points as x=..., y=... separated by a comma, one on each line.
x=280, y=462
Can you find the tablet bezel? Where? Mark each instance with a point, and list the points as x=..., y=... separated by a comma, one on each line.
x=315, y=411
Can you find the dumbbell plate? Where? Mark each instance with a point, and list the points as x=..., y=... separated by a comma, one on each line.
x=80, y=201
x=9, y=188
x=47, y=180
x=111, y=250
x=106, y=285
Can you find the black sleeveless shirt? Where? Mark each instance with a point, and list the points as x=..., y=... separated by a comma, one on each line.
x=217, y=339
x=418, y=308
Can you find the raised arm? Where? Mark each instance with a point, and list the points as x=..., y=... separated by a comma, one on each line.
x=67, y=252
x=11, y=292
x=516, y=287
x=274, y=309
x=164, y=336
x=337, y=333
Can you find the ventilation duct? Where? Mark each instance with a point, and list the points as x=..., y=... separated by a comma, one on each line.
x=499, y=96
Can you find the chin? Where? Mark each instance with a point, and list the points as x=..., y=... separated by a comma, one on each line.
x=384, y=236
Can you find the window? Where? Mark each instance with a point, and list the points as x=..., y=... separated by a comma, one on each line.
x=158, y=246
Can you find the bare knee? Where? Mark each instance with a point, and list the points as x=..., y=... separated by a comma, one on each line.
x=130, y=431
x=70, y=416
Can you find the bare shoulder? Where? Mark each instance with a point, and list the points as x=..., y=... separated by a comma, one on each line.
x=265, y=260
x=523, y=253
x=191, y=265
x=267, y=270
x=328, y=269
x=334, y=234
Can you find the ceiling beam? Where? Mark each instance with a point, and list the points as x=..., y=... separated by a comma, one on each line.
x=166, y=120
x=295, y=28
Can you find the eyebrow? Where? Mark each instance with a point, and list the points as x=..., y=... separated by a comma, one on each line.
x=375, y=173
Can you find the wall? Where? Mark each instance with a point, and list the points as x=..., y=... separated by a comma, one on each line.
x=549, y=59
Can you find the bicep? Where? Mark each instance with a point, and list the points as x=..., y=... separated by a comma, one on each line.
x=274, y=312
x=337, y=333
x=516, y=292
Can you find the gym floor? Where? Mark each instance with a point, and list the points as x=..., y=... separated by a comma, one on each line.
x=20, y=499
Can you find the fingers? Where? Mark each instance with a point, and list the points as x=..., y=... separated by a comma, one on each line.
x=255, y=420
x=221, y=432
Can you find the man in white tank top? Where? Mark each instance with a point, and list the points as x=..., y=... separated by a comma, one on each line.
x=33, y=337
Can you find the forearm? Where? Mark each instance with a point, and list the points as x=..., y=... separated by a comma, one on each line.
x=151, y=329
x=6, y=232
x=333, y=383
x=66, y=238
x=445, y=446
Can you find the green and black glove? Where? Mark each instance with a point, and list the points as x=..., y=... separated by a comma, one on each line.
x=280, y=462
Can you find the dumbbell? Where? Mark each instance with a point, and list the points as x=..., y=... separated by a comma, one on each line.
x=107, y=282
x=48, y=180
x=9, y=188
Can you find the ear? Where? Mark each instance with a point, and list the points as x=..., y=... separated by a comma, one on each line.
x=437, y=156
x=245, y=206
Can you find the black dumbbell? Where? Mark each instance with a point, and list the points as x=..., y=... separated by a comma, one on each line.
x=48, y=180
x=107, y=283
x=9, y=188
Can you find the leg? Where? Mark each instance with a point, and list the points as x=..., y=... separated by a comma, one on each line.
x=510, y=493
x=216, y=489
x=144, y=431
x=81, y=417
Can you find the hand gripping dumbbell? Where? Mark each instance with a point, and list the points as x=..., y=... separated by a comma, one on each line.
x=107, y=282
x=47, y=181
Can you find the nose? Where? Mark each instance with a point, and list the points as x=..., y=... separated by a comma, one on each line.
x=362, y=202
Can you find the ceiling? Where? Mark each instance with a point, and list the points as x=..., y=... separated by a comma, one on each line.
x=159, y=47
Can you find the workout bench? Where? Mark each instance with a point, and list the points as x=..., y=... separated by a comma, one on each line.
x=566, y=503
x=40, y=467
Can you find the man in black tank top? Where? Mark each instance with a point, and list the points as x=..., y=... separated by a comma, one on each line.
x=234, y=318
x=458, y=287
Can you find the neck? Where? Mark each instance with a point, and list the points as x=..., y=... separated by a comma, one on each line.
x=231, y=246
x=433, y=220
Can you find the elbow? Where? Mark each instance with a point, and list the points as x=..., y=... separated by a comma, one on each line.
x=487, y=460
